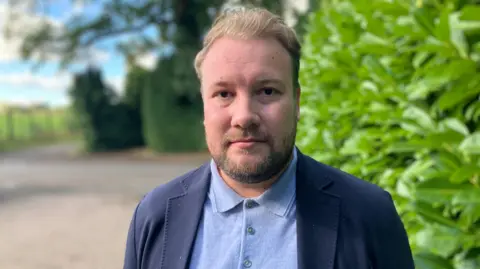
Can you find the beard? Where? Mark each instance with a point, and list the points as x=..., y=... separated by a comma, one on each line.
x=265, y=167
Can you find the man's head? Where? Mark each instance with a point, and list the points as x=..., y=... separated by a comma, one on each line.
x=248, y=69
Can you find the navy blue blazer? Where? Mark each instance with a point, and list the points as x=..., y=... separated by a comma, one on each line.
x=342, y=222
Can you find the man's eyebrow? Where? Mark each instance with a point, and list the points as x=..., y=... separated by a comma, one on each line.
x=264, y=81
x=221, y=84
x=261, y=81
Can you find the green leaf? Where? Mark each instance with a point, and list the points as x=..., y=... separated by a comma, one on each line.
x=426, y=211
x=424, y=18
x=470, y=215
x=457, y=37
x=416, y=169
x=403, y=147
x=394, y=8
x=440, y=240
x=470, y=13
x=442, y=31
x=438, y=190
x=377, y=70
x=469, y=27
x=473, y=112
x=420, y=116
x=448, y=160
x=433, y=45
x=466, y=89
x=443, y=139
x=420, y=58
x=372, y=44
x=465, y=173
x=456, y=125
x=331, y=75
x=328, y=139
x=467, y=197
x=424, y=260
x=471, y=144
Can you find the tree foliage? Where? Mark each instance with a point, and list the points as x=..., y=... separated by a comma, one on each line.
x=172, y=113
x=119, y=18
x=390, y=94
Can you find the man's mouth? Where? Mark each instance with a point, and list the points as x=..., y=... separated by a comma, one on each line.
x=246, y=142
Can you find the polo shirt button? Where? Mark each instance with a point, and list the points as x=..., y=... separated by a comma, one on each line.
x=247, y=263
x=250, y=230
x=250, y=203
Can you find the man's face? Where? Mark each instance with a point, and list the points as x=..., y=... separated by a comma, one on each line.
x=250, y=107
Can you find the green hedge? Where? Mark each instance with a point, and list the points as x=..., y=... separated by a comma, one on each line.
x=172, y=107
x=391, y=95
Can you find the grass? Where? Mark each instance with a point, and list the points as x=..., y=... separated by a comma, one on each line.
x=28, y=128
x=13, y=145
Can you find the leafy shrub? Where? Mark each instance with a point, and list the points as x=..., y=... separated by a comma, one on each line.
x=390, y=94
x=106, y=122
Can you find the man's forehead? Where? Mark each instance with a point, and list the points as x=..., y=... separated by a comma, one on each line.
x=238, y=62
x=244, y=79
x=244, y=51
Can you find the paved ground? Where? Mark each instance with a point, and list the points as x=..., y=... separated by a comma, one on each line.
x=61, y=211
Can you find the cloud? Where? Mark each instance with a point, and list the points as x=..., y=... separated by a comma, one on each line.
x=147, y=61
x=26, y=102
x=78, y=8
x=117, y=83
x=36, y=82
x=60, y=82
x=27, y=22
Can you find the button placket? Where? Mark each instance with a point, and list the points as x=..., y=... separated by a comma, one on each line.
x=248, y=231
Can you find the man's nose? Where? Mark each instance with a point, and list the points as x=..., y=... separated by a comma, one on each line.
x=244, y=114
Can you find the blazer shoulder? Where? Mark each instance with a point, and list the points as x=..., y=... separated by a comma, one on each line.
x=350, y=188
x=360, y=199
x=153, y=204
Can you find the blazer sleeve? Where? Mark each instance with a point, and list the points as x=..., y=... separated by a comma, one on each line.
x=391, y=244
x=130, y=259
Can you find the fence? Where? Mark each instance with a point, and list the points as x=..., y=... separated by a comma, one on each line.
x=34, y=124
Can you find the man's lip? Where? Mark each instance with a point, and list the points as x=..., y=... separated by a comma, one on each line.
x=247, y=141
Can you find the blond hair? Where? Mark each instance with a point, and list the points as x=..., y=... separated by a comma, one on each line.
x=252, y=22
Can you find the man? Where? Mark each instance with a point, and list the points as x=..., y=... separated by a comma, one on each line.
x=260, y=202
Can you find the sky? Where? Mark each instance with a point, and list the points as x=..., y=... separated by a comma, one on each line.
x=22, y=85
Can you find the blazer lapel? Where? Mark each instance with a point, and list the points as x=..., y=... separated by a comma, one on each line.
x=318, y=215
x=182, y=219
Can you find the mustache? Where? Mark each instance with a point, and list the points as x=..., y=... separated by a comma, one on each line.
x=244, y=135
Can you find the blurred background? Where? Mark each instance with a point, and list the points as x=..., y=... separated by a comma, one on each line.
x=99, y=103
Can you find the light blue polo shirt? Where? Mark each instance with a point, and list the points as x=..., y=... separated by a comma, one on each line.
x=248, y=233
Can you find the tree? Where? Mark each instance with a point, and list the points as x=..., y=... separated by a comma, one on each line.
x=167, y=18
x=106, y=122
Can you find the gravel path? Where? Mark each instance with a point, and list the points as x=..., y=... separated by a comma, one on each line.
x=58, y=211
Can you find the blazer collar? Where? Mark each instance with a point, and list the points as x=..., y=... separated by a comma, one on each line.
x=182, y=218
x=318, y=214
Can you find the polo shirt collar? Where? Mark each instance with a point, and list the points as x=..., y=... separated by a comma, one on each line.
x=278, y=199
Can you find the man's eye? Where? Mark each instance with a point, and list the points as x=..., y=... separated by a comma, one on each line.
x=224, y=94
x=268, y=91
